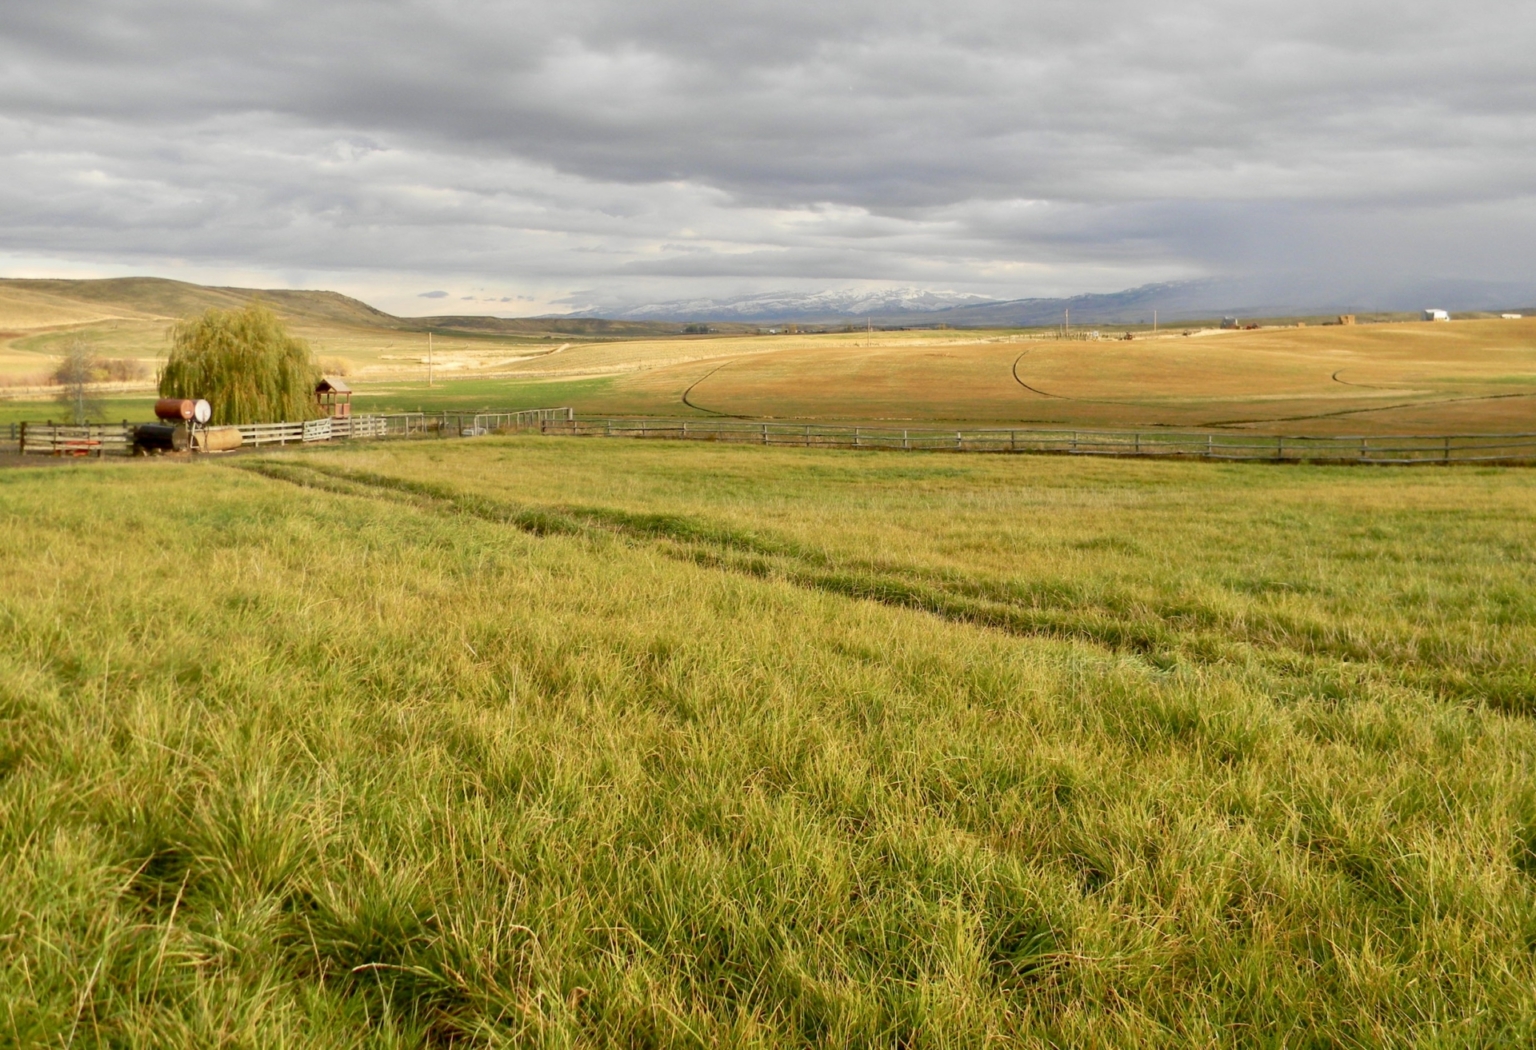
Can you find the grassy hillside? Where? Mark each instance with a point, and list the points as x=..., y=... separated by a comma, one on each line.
x=157, y=297
x=536, y=742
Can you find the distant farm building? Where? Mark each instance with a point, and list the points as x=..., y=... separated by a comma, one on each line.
x=1230, y=322
x=1346, y=318
x=1511, y=317
x=1436, y=315
x=334, y=397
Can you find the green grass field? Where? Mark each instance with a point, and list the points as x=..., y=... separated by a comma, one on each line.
x=552, y=742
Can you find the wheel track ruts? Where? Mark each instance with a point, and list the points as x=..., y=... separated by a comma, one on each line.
x=1361, y=411
x=696, y=382
x=1031, y=389
x=708, y=545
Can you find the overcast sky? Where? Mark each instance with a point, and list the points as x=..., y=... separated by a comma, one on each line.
x=523, y=157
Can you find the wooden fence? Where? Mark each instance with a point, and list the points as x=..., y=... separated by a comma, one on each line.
x=100, y=439
x=1452, y=448
x=91, y=439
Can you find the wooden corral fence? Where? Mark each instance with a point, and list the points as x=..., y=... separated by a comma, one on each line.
x=117, y=438
x=91, y=439
x=254, y=434
x=505, y=422
x=1451, y=448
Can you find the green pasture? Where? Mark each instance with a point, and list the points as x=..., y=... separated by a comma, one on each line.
x=464, y=395
x=479, y=395
x=136, y=408
x=563, y=742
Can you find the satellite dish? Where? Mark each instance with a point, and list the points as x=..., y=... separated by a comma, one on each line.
x=202, y=411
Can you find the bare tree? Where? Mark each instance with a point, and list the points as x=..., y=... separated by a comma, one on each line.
x=76, y=376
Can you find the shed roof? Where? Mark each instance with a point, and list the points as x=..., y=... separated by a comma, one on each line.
x=332, y=383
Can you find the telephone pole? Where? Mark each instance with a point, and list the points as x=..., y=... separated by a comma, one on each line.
x=429, y=359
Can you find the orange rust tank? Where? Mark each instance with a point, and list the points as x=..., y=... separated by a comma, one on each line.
x=178, y=408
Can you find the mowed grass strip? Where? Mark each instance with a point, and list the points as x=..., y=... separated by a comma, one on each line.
x=289, y=765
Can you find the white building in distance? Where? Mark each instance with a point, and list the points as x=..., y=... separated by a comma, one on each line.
x=1436, y=315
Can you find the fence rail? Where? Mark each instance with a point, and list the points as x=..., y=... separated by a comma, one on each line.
x=105, y=439
x=1382, y=449
x=90, y=439
x=99, y=439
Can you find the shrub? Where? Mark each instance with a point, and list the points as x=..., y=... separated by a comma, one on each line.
x=245, y=364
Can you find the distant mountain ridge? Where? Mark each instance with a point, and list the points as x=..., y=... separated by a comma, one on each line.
x=159, y=297
x=770, y=306
x=1174, y=301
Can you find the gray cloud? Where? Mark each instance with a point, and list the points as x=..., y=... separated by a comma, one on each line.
x=533, y=152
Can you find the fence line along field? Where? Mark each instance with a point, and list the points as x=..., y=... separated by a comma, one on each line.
x=522, y=742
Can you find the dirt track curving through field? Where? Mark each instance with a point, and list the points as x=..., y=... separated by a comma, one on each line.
x=696, y=382
x=1374, y=408
x=1031, y=389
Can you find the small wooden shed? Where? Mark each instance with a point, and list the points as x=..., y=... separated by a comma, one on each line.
x=334, y=397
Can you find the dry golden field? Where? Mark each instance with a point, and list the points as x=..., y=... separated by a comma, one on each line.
x=1461, y=377
x=1475, y=375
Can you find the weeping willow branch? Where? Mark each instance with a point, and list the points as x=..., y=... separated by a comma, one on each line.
x=245, y=364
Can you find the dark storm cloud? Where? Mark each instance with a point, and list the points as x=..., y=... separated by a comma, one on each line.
x=1016, y=148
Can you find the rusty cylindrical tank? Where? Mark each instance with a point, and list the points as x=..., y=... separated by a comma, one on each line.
x=177, y=408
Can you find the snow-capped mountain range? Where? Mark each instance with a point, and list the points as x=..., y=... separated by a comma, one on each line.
x=830, y=303
x=1299, y=295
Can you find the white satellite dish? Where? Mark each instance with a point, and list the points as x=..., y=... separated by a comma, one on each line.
x=202, y=411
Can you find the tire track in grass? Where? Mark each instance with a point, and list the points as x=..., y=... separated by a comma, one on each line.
x=715, y=546
x=1031, y=389
x=1362, y=411
x=696, y=382
x=1294, y=649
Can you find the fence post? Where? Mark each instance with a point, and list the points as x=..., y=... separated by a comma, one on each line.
x=959, y=441
x=1074, y=441
x=855, y=437
x=1280, y=447
x=1013, y=440
x=1207, y=446
x=807, y=435
x=1447, y=457
x=904, y=443
x=765, y=433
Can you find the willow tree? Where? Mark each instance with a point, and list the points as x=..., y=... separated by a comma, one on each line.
x=245, y=364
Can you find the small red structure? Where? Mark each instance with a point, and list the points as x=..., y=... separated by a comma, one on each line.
x=334, y=397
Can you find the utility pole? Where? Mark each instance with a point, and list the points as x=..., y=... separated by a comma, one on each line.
x=869, y=330
x=1067, y=314
x=1154, y=322
x=429, y=359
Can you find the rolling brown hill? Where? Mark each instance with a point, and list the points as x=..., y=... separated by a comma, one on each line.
x=158, y=297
